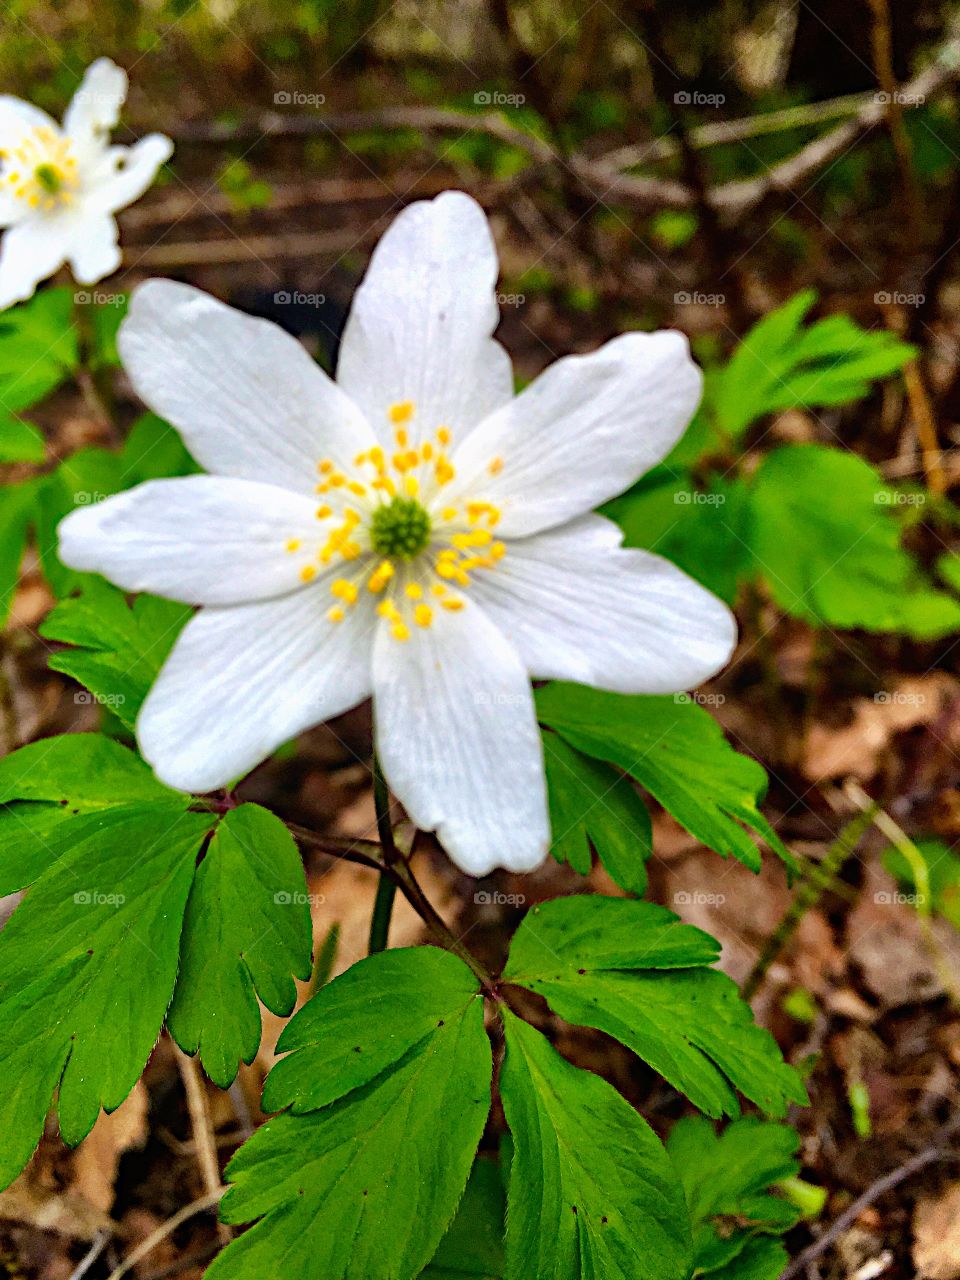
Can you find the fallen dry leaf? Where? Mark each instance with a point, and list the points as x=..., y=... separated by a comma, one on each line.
x=936, y=1235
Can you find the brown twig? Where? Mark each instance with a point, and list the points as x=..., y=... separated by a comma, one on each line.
x=888, y=1182
x=202, y=1127
x=203, y=1205
x=881, y=42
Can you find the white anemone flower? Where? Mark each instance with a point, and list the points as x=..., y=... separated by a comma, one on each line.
x=412, y=530
x=61, y=186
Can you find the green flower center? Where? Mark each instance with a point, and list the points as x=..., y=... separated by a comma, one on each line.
x=400, y=528
x=49, y=177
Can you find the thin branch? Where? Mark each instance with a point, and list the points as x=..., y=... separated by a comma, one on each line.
x=888, y=1182
x=203, y=1205
x=203, y=1137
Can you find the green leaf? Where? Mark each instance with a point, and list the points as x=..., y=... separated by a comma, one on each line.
x=630, y=969
x=46, y=787
x=677, y=752
x=154, y=451
x=943, y=875
x=473, y=1245
x=824, y=535
x=87, y=476
x=781, y=365
x=20, y=441
x=87, y=968
x=120, y=647
x=699, y=528
x=38, y=348
x=364, y=1022
x=245, y=932
x=17, y=513
x=592, y=1192
x=727, y=1180
x=593, y=805
x=366, y=1186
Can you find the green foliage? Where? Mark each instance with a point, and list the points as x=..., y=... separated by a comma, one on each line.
x=89, y=959
x=727, y=1180
x=244, y=934
x=592, y=805
x=824, y=535
x=943, y=876
x=472, y=1249
x=780, y=364
x=591, y=1190
x=20, y=441
x=38, y=348
x=118, y=647
x=367, y=1184
x=677, y=752
x=17, y=513
x=629, y=969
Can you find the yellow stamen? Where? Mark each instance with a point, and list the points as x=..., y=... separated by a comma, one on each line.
x=293, y=544
x=496, y=466
x=307, y=572
x=400, y=631
x=413, y=591
x=336, y=614
x=423, y=615
x=401, y=412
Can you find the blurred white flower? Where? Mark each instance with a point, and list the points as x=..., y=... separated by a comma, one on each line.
x=412, y=531
x=61, y=186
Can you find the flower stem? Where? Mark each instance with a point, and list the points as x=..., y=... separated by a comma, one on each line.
x=387, y=886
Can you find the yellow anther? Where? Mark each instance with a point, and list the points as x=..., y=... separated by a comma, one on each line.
x=400, y=462
x=337, y=481
x=443, y=435
x=438, y=590
x=449, y=513
x=325, y=467
x=448, y=553
x=386, y=485
x=413, y=591
x=387, y=609
x=323, y=488
x=411, y=486
x=360, y=459
x=336, y=614
x=453, y=603
x=496, y=466
x=380, y=576
x=423, y=615
x=324, y=512
x=351, y=550
x=400, y=631
x=401, y=438
x=443, y=471
x=293, y=544
x=498, y=551
x=359, y=489
x=464, y=541
x=401, y=412
x=481, y=537
x=426, y=451
x=377, y=458
x=345, y=591
x=446, y=570
x=307, y=572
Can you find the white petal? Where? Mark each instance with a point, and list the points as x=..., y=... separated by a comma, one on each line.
x=94, y=252
x=95, y=108
x=29, y=252
x=242, y=681
x=419, y=329
x=582, y=432
x=458, y=740
x=123, y=174
x=245, y=396
x=200, y=539
x=18, y=117
x=578, y=606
